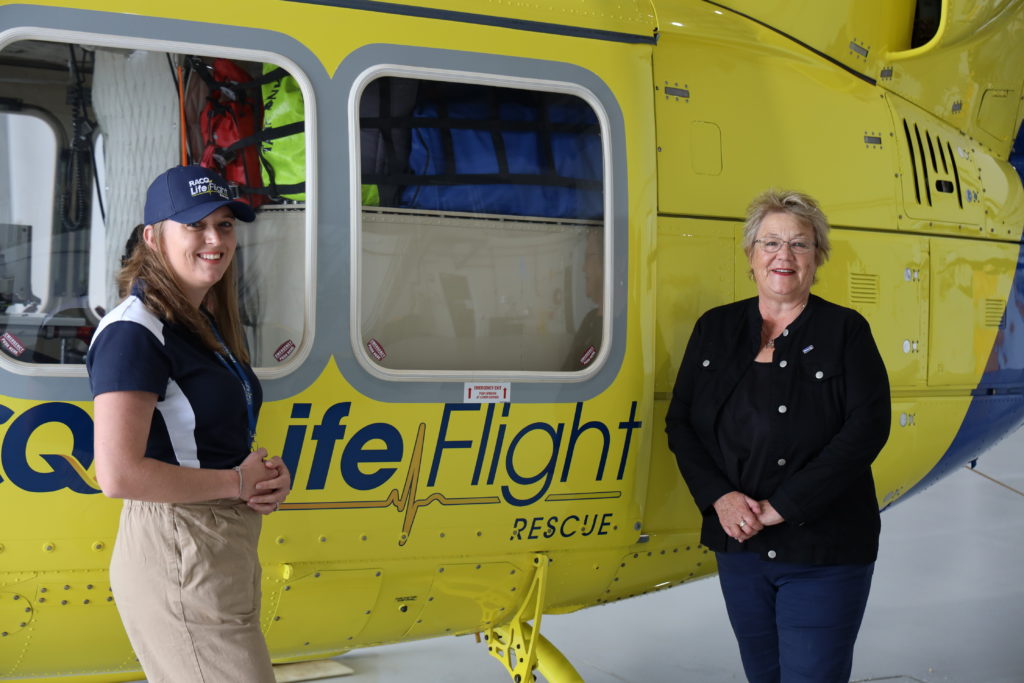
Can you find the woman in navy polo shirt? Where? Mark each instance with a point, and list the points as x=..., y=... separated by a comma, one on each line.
x=780, y=406
x=175, y=413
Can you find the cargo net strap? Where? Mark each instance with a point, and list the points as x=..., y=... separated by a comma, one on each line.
x=463, y=134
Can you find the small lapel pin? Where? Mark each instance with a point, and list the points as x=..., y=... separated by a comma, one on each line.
x=809, y=348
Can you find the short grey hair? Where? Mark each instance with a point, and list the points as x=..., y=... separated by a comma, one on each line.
x=797, y=204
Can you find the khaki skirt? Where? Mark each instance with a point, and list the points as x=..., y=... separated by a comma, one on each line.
x=186, y=581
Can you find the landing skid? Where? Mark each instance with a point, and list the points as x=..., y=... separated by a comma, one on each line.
x=521, y=648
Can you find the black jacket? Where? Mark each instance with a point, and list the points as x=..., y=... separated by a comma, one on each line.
x=833, y=418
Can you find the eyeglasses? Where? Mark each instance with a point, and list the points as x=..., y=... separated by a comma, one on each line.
x=797, y=246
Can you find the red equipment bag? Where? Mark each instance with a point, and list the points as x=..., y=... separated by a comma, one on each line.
x=233, y=113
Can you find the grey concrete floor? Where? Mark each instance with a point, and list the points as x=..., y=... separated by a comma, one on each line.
x=947, y=606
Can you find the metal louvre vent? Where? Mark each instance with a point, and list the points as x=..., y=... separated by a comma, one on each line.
x=995, y=313
x=863, y=288
x=933, y=165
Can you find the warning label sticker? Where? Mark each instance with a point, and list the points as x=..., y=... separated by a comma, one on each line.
x=588, y=355
x=487, y=393
x=376, y=350
x=12, y=344
x=284, y=350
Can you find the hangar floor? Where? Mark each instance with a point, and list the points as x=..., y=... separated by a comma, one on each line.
x=947, y=606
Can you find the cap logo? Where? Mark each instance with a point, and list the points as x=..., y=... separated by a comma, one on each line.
x=201, y=186
x=187, y=193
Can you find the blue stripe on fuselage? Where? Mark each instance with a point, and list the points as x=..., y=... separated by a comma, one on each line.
x=1017, y=153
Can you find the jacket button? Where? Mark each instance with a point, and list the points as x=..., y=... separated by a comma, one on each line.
x=771, y=554
x=782, y=462
x=783, y=363
x=785, y=332
x=783, y=409
x=706, y=363
x=819, y=374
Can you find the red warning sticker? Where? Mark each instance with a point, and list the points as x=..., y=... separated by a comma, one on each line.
x=488, y=393
x=588, y=355
x=284, y=351
x=376, y=350
x=12, y=344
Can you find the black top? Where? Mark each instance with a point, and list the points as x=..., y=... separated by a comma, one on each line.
x=745, y=422
x=201, y=418
x=825, y=419
x=747, y=408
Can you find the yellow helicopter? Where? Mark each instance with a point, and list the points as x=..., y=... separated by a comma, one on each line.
x=485, y=232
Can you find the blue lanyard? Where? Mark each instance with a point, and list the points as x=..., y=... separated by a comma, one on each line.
x=228, y=360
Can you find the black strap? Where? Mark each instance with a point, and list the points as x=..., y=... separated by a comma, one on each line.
x=547, y=153
x=388, y=190
x=275, y=190
x=269, y=77
x=232, y=89
x=204, y=70
x=388, y=122
x=447, y=144
x=482, y=179
x=497, y=139
x=386, y=132
x=267, y=134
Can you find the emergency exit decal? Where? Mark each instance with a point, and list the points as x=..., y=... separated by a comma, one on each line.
x=487, y=393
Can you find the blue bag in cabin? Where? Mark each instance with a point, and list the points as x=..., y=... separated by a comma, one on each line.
x=496, y=150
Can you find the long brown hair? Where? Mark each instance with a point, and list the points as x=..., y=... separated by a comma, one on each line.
x=164, y=296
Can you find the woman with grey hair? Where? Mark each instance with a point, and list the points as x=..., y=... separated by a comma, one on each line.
x=780, y=406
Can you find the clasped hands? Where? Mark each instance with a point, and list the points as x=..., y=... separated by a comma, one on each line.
x=266, y=482
x=742, y=517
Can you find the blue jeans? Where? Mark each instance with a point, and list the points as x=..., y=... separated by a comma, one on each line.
x=795, y=623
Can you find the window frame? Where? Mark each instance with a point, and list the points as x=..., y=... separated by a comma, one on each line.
x=127, y=41
x=359, y=350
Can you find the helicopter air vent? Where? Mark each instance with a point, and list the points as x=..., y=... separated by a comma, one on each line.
x=995, y=313
x=863, y=288
x=933, y=166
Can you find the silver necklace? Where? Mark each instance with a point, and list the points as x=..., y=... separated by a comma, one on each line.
x=770, y=344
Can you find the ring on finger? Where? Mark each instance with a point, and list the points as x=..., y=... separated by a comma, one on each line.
x=742, y=523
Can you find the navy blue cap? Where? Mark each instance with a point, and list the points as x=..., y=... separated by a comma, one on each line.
x=187, y=194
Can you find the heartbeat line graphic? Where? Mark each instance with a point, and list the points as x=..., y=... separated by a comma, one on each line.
x=404, y=500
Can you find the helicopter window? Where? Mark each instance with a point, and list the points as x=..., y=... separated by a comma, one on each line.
x=83, y=131
x=29, y=143
x=482, y=228
x=926, y=22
